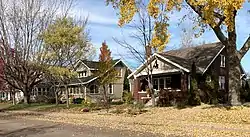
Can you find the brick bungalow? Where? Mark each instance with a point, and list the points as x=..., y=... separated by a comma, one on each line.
x=172, y=70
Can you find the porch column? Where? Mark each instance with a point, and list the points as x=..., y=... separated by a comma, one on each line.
x=136, y=89
x=85, y=93
x=9, y=96
x=184, y=86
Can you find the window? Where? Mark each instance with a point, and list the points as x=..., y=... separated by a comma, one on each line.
x=222, y=82
x=222, y=61
x=168, y=82
x=144, y=84
x=70, y=90
x=82, y=74
x=111, y=89
x=155, y=84
x=76, y=90
x=161, y=82
x=94, y=89
x=39, y=91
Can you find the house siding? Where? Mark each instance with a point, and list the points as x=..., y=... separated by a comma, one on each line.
x=215, y=70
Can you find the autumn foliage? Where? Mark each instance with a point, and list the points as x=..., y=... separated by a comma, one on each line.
x=216, y=15
x=106, y=73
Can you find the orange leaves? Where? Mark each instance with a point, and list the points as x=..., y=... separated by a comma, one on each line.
x=105, y=54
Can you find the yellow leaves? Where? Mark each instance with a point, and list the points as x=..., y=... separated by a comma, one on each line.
x=225, y=8
x=153, y=8
x=171, y=4
x=127, y=11
x=212, y=13
x=161, y=36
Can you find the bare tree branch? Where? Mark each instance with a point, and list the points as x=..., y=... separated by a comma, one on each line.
x=244, y=48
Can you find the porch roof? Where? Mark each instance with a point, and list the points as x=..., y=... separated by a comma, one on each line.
x=172, y=71
x=84, y=80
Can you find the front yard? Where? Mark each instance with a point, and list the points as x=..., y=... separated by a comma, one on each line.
x=203, y=120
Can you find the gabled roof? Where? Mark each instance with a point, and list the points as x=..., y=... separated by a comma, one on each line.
x=202, y=55
x=94, y=64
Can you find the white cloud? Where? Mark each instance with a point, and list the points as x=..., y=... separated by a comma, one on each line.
x=94, y=17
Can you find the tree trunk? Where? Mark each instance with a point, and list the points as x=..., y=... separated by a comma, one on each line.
x=26, y=98
x=26, y=95
x=13, y=98
x=56, y=97
x=67, y=95
x=105, y=99
x=234, y=75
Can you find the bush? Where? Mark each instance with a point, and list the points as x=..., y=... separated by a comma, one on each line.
x=193, y=97
x=117, y=103
x=77, y=100
x=127, y=97
x=89, y=104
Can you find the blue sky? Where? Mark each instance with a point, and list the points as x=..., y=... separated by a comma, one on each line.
x=103, y=26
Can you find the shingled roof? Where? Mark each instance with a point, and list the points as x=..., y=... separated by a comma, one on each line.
x=94, y=64
x=203, y=55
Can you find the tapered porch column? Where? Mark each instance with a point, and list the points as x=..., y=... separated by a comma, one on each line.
x=85, y=93
x=136, y=89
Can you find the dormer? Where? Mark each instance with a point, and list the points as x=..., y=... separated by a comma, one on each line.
x=85, y=68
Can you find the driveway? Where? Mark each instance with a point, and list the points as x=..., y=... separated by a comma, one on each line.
x=12, y=127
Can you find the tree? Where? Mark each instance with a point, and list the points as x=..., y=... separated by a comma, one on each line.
x=106, y=72
x=144, y=35
x=187, y=38
x=21, y=23
x=66, y=41
x=219, y=15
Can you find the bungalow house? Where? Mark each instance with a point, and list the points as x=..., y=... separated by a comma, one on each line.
x=86, y=83
x=172, y=71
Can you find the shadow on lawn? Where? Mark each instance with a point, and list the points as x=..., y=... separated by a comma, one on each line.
x=40, y=129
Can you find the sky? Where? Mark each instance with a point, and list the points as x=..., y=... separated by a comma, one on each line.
x=103, y=26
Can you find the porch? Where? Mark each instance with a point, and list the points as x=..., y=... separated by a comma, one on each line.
x=174, y=83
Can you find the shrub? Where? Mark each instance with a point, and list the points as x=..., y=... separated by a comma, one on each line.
x=127, y=97
x=77, y=100
x=117, y=103
x=88, y=104
x=193, y=97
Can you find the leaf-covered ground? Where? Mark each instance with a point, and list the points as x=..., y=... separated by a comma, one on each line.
x=205, y=121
